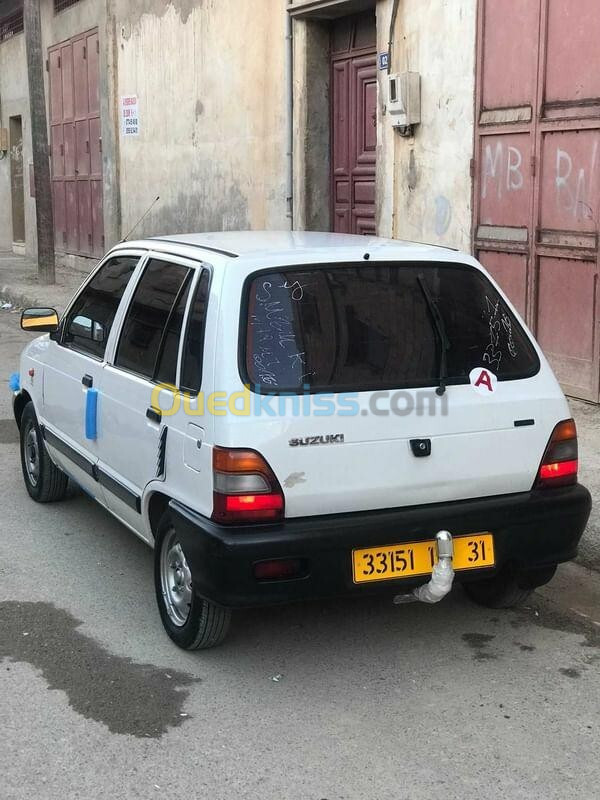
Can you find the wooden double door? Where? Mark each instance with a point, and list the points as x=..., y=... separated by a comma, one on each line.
x=76, y=145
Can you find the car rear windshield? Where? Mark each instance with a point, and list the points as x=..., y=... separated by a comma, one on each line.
x=373, y=326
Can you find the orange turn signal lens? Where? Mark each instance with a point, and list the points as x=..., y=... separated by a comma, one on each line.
x=565, y=430
x=232, y=460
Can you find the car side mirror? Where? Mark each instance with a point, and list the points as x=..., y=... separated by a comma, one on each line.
x=98, y=332
x=87, y=328
x=40, y=320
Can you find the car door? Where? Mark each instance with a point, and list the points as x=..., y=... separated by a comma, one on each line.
x=146, y=356
x=74, y=366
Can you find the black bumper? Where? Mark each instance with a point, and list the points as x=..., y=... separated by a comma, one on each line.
x=531, y=530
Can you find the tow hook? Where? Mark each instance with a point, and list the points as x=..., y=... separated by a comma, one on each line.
x=442, y=576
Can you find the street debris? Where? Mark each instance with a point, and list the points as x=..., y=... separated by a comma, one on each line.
x=276, y=678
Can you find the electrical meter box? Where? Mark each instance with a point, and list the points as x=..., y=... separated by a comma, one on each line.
x=404, y=99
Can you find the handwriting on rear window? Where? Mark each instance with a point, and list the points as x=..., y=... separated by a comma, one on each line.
x=501, y=335
x=277, y=355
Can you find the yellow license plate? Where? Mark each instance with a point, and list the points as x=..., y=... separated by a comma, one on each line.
x=394, y=561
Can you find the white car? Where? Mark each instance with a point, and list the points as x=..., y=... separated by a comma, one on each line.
x=293, y=415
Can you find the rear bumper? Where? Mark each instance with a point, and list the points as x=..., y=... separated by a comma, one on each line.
x=531, y=530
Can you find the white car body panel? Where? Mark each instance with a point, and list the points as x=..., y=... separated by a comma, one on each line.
x=479, y=451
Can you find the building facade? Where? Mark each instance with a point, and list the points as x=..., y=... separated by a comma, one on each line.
x=280, y=113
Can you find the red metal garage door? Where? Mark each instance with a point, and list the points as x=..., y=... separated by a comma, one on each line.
x=354, y=124
x=537, y=167
x=76, y=145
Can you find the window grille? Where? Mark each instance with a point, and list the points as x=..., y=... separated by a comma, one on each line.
x=11, y=25
x=60, y=5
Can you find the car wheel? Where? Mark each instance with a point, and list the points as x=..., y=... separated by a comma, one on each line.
x=192, y=622
x=44, y=481
x=502, y=590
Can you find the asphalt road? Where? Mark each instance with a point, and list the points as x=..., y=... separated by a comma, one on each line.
x=371, y=701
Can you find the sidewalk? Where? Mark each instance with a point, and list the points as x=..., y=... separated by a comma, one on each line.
x=587, y=417
x=19, y=285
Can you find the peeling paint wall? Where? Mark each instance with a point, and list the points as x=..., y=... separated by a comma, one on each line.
x=210, y=80
x=312, y=164
x=424, y=183
x=14, y=101
x=209, y=77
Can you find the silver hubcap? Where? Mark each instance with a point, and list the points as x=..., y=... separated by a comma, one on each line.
x=176, y=580
x=32, y=455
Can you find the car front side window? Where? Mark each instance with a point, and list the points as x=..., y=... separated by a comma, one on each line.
x=149, y=341
x=90, y=319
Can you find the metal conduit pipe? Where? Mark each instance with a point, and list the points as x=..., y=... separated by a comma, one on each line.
x=289, y=122
x=393, y=18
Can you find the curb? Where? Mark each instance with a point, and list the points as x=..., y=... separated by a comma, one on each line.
x=591, y=564
x=57, y=296
x=18, y=300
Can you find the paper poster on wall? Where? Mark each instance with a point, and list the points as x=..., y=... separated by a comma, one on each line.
x=130, y=117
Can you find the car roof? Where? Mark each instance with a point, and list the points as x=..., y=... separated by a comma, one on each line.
x=287, y=244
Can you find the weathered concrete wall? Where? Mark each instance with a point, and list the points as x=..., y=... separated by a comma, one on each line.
x=210, y=81
x=14, y=101
x=210, y=84
x=312, y=182
x=386, y=174
x=82, y=17
x=424, y=183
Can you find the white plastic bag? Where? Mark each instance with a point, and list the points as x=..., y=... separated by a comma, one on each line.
x=442, y=576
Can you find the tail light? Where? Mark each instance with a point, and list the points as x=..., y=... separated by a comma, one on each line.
x=245, y=488
x=560, y=462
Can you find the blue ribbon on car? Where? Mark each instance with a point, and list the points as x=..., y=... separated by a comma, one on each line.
x=91, y=414
x=14, y=382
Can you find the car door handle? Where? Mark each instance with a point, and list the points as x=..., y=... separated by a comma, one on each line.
x=154, y=415
x=88, y=381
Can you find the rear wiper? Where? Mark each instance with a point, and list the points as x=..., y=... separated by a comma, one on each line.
x=440, y=329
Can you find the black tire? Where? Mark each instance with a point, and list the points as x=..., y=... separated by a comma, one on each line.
x=502, y=590
x=44, y=481
x=205, y=624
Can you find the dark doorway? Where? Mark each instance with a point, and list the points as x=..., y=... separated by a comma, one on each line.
x=354, y=123
x=17, y=191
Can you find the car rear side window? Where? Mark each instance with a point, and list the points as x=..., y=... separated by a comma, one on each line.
x=370, y=326
x=193, y=349
x=150, y=336
x=166, y=363
x=90, y=319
